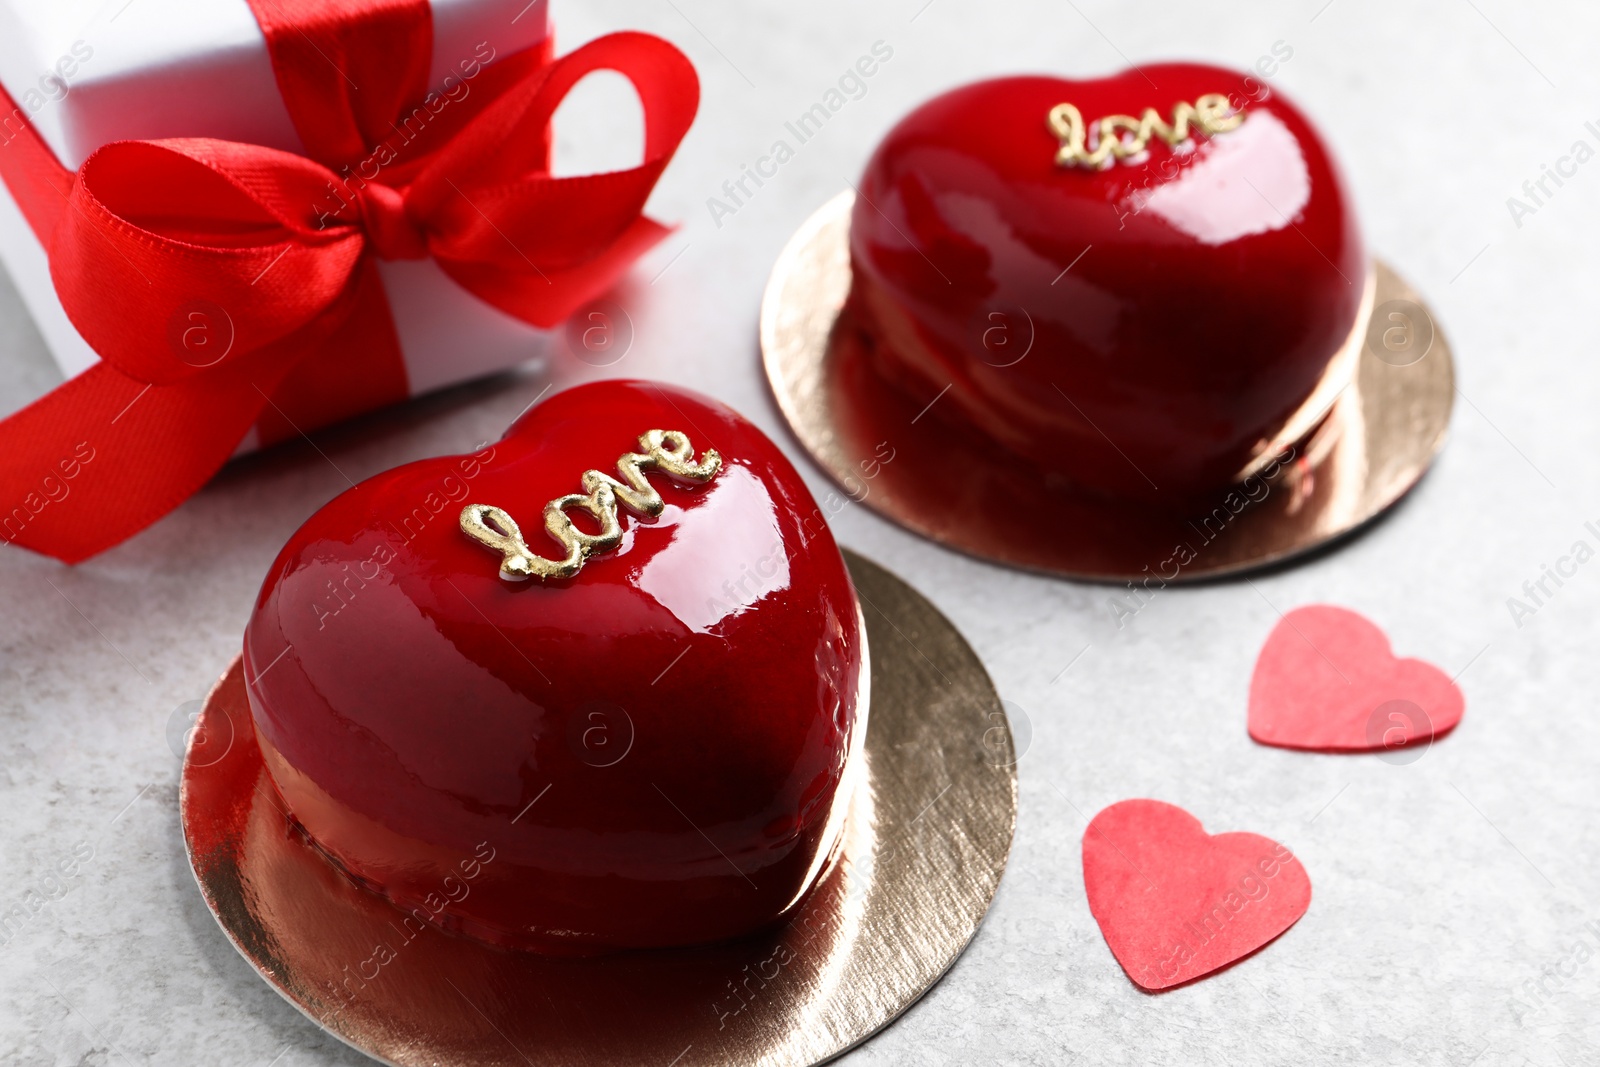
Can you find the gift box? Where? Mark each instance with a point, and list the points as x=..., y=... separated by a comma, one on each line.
x=239, y=221
x=166, y=68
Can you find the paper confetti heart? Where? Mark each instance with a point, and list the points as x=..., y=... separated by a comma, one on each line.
x=1326, y=680
x=1176, y=903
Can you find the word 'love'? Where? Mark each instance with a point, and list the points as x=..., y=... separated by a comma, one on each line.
x=667, y=451
x=1123, y=136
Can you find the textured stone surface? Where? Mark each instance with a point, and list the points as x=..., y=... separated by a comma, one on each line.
x=1445, y=892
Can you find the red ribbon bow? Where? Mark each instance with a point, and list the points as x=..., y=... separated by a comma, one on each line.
x=228, y=285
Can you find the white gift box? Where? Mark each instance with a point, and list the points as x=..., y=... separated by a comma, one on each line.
x=88, y=72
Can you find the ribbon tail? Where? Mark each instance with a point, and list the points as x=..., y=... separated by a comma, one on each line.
x=102, y=456
x=358, y=367
x=547, y=297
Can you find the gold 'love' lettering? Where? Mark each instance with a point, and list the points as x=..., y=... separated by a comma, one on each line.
x=1120, y=137
x=667, y=451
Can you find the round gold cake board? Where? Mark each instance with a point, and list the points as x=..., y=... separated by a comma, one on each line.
x=927, y=837
x=1378, y=440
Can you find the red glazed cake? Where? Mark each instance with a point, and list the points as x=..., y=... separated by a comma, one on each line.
x=1144, y=285
x=562, y=701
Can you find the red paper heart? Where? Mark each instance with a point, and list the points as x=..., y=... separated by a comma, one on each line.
x=1327, y=680
x=1176, y=903
x=1171, y=310
x=650, y=751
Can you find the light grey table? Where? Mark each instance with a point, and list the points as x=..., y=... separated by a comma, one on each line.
x=1453, y=920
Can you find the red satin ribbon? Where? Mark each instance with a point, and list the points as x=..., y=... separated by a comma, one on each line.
x=227, y=285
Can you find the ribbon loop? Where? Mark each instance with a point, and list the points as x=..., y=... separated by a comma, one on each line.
x=534, y=245
x=159, y=232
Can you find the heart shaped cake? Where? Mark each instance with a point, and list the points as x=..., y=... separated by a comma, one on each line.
x=562, y=701
x=1144, y=285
